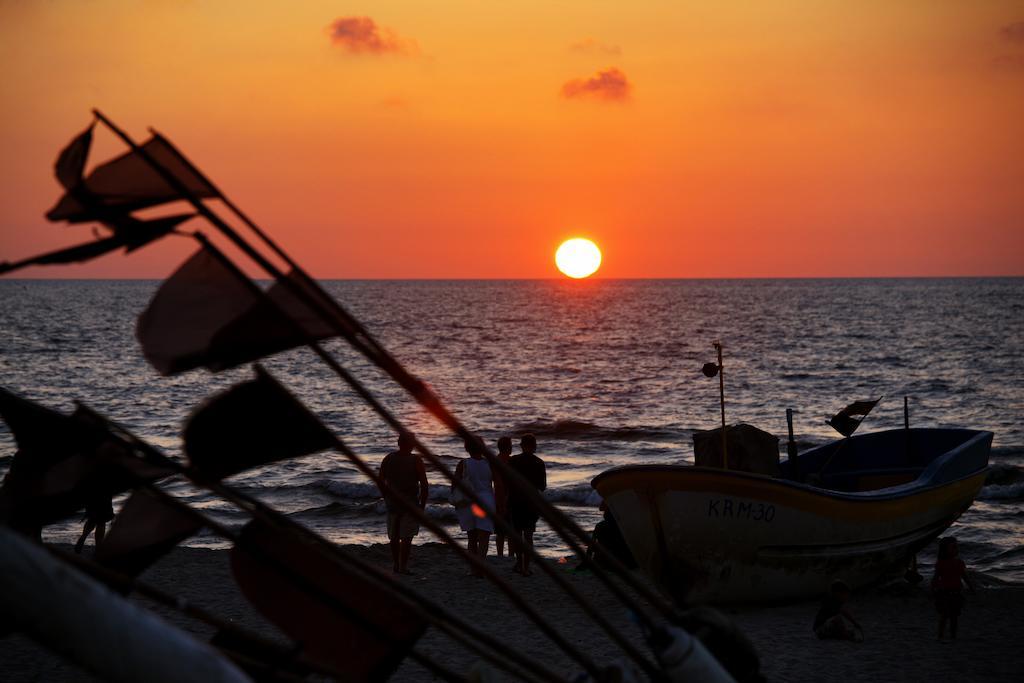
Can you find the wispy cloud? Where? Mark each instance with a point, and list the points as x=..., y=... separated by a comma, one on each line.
x=362, y=36
x=609, y=85
x=592, y=46
x=1013, y=32
x=396, y=102
x=1009, y=63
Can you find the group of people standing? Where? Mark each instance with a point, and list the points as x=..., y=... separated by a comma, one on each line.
x=402, y=473
x=500, y=499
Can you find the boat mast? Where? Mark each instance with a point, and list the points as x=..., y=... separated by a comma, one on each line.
x=794, y=467
x=721, y=396
x=710, y=370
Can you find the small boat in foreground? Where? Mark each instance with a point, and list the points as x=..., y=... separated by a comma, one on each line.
x=854, y=509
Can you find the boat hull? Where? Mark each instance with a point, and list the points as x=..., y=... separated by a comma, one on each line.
x=722, y=536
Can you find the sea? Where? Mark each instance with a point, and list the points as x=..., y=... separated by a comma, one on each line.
x=603, y=372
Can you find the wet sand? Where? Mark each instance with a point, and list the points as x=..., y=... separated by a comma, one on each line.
x=900, y=626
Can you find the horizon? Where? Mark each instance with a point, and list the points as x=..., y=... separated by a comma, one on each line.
x=595, y=278
x=729, y=141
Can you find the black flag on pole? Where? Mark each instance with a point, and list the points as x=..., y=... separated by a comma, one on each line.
x=109, y=194
x=63, y=463
x=146, y=529
x=251, y=424
x=140, y=234
x=71, y=163
x=123, y=184
x=344, y=621
x=845, y=421
x=206, y=314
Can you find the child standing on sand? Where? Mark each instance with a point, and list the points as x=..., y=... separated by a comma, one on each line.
x=947, y=585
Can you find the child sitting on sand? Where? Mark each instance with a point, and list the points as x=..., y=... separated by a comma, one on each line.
x=947, y=585
x=829, y=623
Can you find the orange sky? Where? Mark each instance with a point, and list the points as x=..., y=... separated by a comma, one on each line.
x=468, y=139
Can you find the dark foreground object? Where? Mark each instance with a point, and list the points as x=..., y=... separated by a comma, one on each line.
x=899, y=643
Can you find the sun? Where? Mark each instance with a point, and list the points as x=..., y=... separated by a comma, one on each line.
x=578, y=258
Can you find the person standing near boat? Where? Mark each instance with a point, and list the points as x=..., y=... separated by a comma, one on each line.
x=521, y=511
x=475, y=473
x=947, y=585
x=403, y=474
x=501, y=497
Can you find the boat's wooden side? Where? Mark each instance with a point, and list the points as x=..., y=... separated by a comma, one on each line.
x=729, y=536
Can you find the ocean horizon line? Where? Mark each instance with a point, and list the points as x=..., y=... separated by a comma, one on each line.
x=562, y=279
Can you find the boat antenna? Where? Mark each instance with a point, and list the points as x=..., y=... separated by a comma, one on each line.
x=794, y=465
x=710, y=370
x=906, y=425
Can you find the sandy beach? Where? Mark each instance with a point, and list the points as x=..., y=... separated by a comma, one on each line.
x=900, y=641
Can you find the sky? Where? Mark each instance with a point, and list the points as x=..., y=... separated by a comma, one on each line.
x=404, y=139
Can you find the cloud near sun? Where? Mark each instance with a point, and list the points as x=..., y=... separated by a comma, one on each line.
x=362, y=36
x=609, y=85
x=592, y=46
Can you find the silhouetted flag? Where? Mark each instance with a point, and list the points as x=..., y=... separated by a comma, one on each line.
x=343, y=620
x=45, y=438
x=208, y=315
x=145, y=530
x=251, y=424
x=63, y=462
x=138, y=235
x=123, y=184
x=844, y=422
x=71, y=162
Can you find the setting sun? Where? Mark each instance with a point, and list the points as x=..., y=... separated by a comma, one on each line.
x=578, y=258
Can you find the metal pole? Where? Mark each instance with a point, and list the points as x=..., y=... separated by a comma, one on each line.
x=794, y=465
x=721, y=394
x=906, y=426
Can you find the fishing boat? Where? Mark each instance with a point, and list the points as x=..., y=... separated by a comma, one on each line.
x=852, y=509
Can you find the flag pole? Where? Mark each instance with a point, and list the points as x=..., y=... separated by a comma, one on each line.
x=126, y=584
x=434, y=406
x=350, y=328
x=552, y=572
x=258, y=509
x=353, y=331
x=304, y=585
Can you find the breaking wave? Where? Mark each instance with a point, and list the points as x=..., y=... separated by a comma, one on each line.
x=1003, y=492
x=441, y=513
x=576, y=430
x=356, y=497
x=1004, y=482
x=1003, y=475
